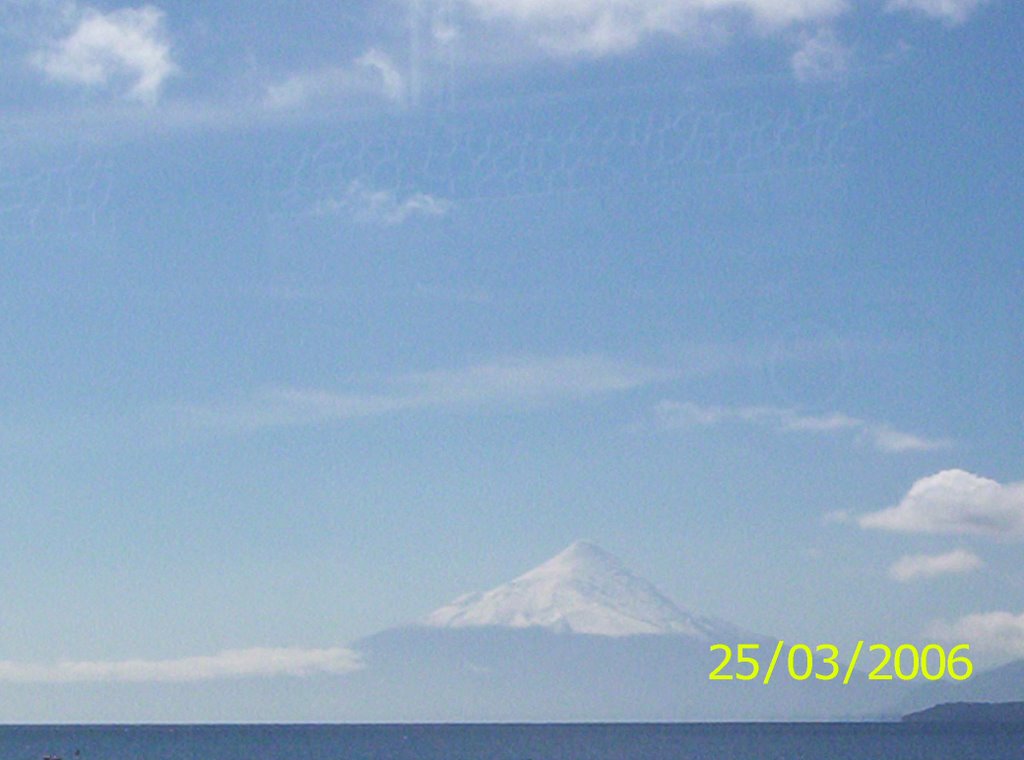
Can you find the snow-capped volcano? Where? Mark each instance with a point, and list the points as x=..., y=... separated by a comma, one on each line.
x=584, y=589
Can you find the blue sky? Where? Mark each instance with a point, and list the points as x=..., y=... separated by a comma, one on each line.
x=316, y=319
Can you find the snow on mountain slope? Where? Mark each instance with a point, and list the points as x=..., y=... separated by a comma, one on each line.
x=584, y=589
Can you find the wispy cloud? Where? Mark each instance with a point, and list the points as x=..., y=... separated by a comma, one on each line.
x=955, y=502
x=822, y=56
x=600, y=27
x=994, y=634
x=922, y=566
x=374, y=75
x=950, y=11
x=502, y=382
x=385, y=207
x=684, y=414
x=238, y=663
x=127, y=45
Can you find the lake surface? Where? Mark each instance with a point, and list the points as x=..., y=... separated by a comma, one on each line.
x=715, y=741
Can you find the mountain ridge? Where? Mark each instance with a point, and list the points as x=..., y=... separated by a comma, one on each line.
x=579, y=638
x=582, y=589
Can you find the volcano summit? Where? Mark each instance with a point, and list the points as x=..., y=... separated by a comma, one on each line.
x=584, y=589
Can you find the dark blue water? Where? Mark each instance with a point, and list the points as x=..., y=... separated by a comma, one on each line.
x=721, y=741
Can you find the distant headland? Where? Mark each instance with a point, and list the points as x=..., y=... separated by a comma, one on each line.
x=970, y=712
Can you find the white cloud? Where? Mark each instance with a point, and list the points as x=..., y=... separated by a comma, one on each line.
x=915, y=566
x=239, y=663
x=822, y=423
x=392, y=83
x=955, y=502
x=821, y=57
x=385, y=207
x=532, y=379
x=374, y=75
x=598, y=27
x=509, y=381
x=993, y=634
x=887, y=439
x=129, y=44
x=950, y=11
x=676, y=414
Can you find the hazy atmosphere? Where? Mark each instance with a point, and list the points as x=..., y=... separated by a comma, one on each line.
x=317, y=317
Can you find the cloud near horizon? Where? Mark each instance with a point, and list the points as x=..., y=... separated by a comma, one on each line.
x=924, y=566
x=125, y=45
x=258, y=662
x=683, y=414
x=955, y=502
x=994, y=634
